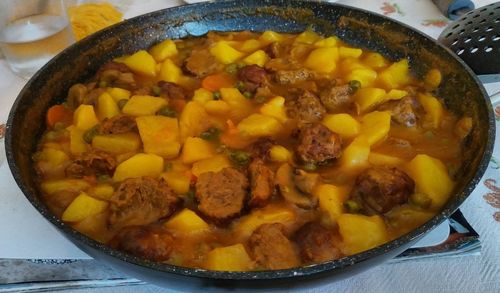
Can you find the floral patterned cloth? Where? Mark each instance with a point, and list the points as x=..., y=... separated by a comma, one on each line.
x=462, y=274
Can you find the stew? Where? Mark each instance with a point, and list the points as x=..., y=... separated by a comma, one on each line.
x=250, y=151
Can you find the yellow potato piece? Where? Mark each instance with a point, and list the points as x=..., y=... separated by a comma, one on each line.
x=72, y=185
x=431, y=178
x=279, y=153
x=192, y=120
x=84, y=117
x=434, y=111
x=224, y=53
x=331, y=202
x=83, y=206
x=119, y=93
x=102, y=191
x=159, y=135
x=163, y=50
x=229, y=258
x=217, y=107
x=203, y=96
x=433, y=78
x=356, y=154
x=178, y=181
x=343, y=124
x=187, y=222
x=257, y=125
x=275, y=108
x=196, y=149
x=170, y=72
x=368, y=98
x=345, y=52
x=360, y=233
x=258, y=57
x=139, y=165
x=365, y=76
x=250, y=45
x=323, y=60
x=76, y=143
x=307, y=37
x=267, y=215
x=143, y=105
x=327, y=42
x=141, y=62
x=213, y=164
x=120, y=143
x=395, y=76
x=395, y=94
x=241, y=107
x=106, y=106
x=380, y=159
x=375, y=60
x=269, y=37
x=375, y=126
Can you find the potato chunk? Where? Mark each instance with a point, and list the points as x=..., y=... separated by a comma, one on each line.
x=178, y=181
x=213, y=164
x=275, y=108
x=106, y=106
x=170, y=72
x=229, y=258
x=139, y=165
x=375, y=126
x=192, y=120
x=257, y=125
x=360, y=233
x=258, y=57
x=331, y=202
x=143, y=105
x=323, y=60
x=120, y=143
x=83, y=206
x=343, y=124
x=433, y=110
x=160, y=135
x=395, y=76
x=224, y=53
x=163, y=50
x=84, y=117
x=267, y=215
x=141, y=62
x=187, y=222
x=431, y=178
x=196, y=149
x=368, y=98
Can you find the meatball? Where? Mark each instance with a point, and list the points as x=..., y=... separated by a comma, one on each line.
x=336, y=97
x=171, y=90
x=118, y=124
x=261, y=183
x=93, y=163
x=148, y=242
x=382, y=188
x=200, y=63
x=293, y=76
x=141, y=201
x=307, y=107
x=404, y=112
x=317, y=244
x=253, y=76
x=318, y=144
x=271, y=249
x=261, y=148
x=221, y=194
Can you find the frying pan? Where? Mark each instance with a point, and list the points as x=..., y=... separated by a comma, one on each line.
x=460, y=89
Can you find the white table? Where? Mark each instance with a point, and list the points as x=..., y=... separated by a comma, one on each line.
x=461, y=274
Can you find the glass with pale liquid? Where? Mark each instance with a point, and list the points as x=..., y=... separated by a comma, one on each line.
x=32, y=32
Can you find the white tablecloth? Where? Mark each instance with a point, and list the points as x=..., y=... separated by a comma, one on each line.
x=461, y=274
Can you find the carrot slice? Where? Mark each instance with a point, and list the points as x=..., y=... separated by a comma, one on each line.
x=59, y=113
x=233, y=138
x=216, y=81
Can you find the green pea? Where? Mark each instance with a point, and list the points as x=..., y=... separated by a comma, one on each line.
x=352, y=206
x=239, y=157
x=156, y=90
x=216, y=95
x=88, y=136
x=121, y=103
x=310, y=167
x=210, y=134
x=103, y=178
x=232, y=68
x=240, y=86
x=354, y=85
x=103, y=83
x=168, y=166
x=247, y=95
x=167, y=111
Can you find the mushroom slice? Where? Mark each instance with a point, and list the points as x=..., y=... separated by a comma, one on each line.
x=287, y=187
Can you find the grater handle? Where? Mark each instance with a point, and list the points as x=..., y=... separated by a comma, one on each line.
x=453, y=9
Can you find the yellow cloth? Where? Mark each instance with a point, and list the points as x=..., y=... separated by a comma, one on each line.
x=89, y=18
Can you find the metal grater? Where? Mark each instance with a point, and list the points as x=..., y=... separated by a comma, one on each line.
x=475, y=37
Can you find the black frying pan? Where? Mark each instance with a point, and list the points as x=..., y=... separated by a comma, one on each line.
x=462, y=93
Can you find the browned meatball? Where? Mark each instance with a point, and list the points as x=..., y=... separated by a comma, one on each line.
x=261, y=183
x=118, y=124
x=271, y=249
x=148, y=242
x=200, y=63
x=382, y=188
x=112, y=65
x=171, y=90
x=307, y=107
x=336, y=97
x=261, y=148
x=253, y=76
x=318, y=144
x=91, y=163
x=141, y=201
x=293, y=76
x=221, y=194
x=404, y=111
x=317, y=244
